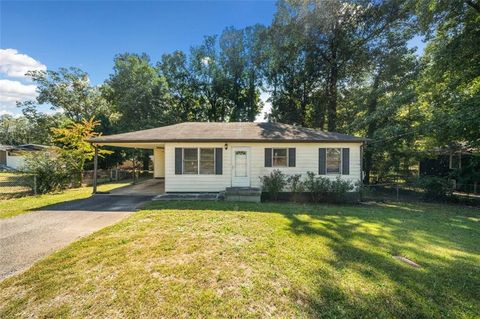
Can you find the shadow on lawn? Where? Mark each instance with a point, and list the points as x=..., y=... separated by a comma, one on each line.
x=445, y=286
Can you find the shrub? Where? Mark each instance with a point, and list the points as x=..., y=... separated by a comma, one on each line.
x=296, y=186
x=274, y=183
x=52, y=172
x=435, y=187
x=322, y=188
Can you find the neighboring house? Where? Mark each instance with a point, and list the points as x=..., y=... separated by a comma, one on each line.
x=13, y=157
x=455, y=161
x=209, y=157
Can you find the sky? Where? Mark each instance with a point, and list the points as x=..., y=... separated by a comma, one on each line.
x=42, y=35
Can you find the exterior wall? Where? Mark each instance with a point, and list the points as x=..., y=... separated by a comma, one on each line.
x=306, y=160
x=158, y=162
x=15, y=162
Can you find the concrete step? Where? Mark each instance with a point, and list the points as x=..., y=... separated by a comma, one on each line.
x=189, y=196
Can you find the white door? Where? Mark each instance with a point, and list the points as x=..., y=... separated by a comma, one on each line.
x=241, y=167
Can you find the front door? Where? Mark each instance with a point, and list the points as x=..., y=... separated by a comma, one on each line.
x=241, y=167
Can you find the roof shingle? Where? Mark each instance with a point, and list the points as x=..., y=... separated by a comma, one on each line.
x=227, y=132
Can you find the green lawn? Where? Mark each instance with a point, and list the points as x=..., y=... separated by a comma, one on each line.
x=208, y=259
x=22, y=205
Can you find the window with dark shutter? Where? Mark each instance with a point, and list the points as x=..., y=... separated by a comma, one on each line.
x=268, y=157
x=292, y=158
x=178, y=161
x=219, y=161
x=322, y=161
x=345, y=161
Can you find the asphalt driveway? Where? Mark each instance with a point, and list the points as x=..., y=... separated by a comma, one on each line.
x=26, y=238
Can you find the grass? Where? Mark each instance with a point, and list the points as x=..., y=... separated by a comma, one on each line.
x=16, y=206
x=215, y=259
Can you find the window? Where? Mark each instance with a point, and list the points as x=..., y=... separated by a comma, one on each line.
x=207, y=161
x=280, y=157
x=198, y=161
x=190, y=161
x=334, y=160
x=455, y=161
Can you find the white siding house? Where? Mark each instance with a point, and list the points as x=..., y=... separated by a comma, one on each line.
x=209, y=157
x=307, y=159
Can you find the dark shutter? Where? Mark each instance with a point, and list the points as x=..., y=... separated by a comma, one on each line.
x=322, y=161
x=345, y=161
x=178, y=161
x=268, y=157
x=292, y=157
x=219, y=161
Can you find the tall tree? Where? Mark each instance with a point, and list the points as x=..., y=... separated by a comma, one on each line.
x=175, y=69
x=450, y=80
x=68, y=90
x=138, y=93
x=210, y=80
x=241, y=58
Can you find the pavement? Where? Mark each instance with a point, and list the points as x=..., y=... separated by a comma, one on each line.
x=26, y=238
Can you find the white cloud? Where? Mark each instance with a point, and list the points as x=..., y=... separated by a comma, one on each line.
x=15, y=64
x=13, y=91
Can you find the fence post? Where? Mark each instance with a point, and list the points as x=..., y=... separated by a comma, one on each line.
x=398, y=191
x=34, y=184
x=95, y=167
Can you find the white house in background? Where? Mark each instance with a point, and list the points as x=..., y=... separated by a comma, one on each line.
x=13, y=157
x=209, y=157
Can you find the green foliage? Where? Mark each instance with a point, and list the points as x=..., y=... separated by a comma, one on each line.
x=75, y=148
x=53, y=172
x=436, y=188
x=68, y=90
x=324, y=189
x=296, y=186
x=274, y=183
x=449, y=86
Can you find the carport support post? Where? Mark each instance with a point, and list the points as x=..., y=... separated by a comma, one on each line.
x=95, y=165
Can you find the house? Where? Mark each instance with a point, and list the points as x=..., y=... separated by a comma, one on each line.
x=459, y=163
x=209, y=157
x=13, y=157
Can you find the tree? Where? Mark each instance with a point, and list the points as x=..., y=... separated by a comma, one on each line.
x=174, y=68
x=241, y=58
x=210, y=81
x=449, y=87
x=73, y=141
x=138, y=94
x=69, y=91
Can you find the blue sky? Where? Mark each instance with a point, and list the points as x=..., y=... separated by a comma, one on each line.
x=88, y=34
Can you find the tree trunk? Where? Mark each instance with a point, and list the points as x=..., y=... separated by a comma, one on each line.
x=372, y=127
x=332, y=92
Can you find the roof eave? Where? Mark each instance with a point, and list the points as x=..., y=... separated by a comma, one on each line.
x=359, y=140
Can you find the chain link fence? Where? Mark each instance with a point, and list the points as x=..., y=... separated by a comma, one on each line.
x=16, y=185
x=466, y=193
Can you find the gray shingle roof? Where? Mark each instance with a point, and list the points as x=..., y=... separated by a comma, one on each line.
x=227, y=132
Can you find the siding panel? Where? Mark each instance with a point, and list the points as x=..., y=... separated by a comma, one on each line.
x=306, y=160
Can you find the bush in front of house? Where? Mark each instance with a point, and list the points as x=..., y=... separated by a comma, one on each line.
x=296, y=186
x=435, y=188
x=274, y=183
x=324, y=189
x=320, y=189
x=52, y=172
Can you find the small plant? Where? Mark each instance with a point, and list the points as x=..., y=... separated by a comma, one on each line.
x=296, y=186
x=274, y=183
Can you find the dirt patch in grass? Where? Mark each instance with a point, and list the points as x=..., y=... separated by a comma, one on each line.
x=229, y=260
